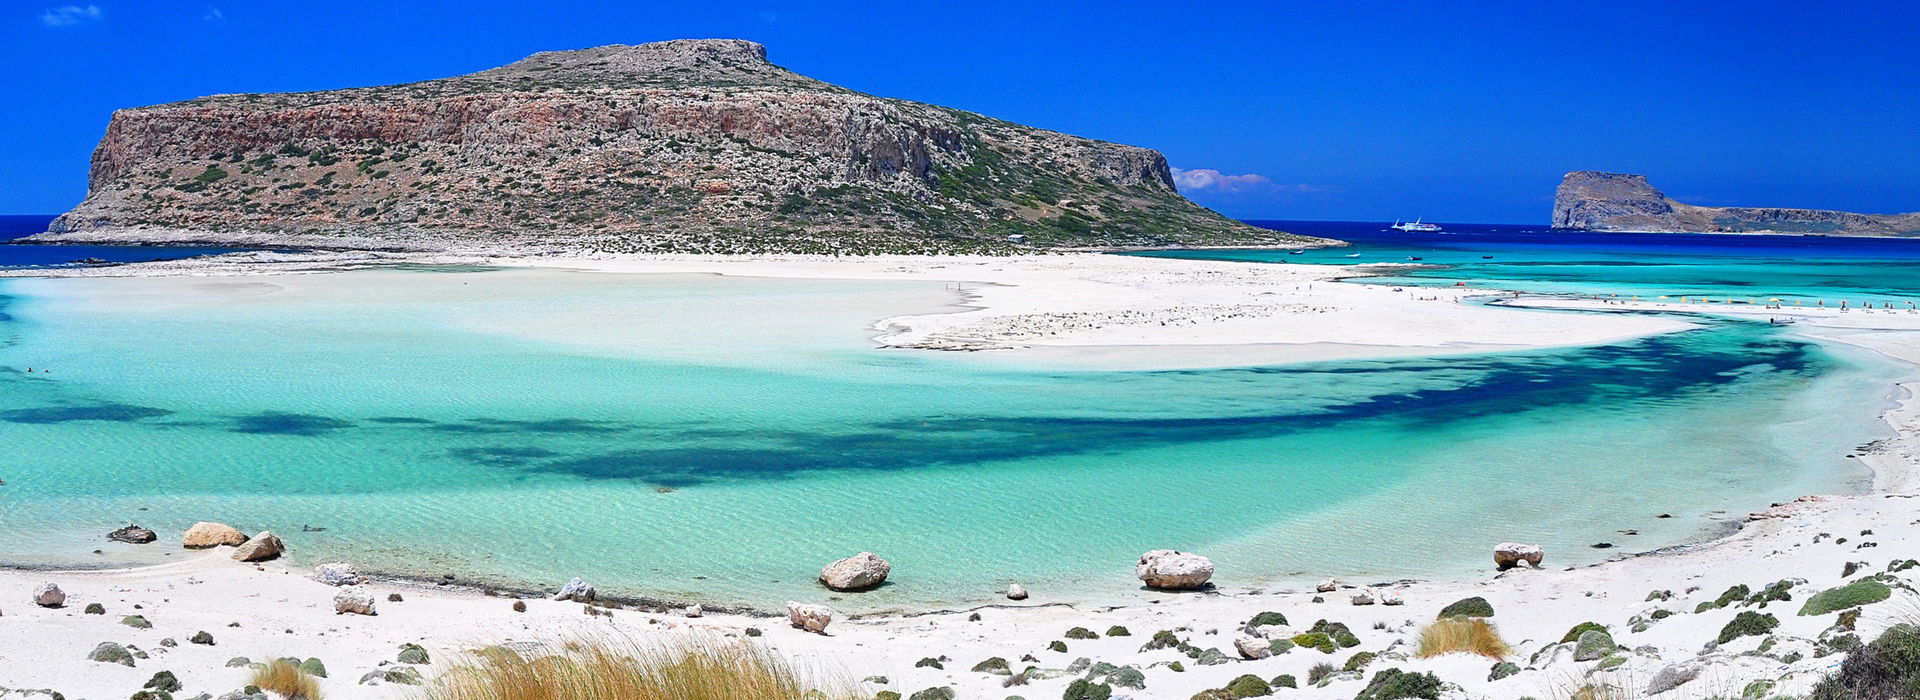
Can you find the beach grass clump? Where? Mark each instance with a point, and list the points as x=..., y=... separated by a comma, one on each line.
x=284, y=678
x=1747, y=624
x=616, y=668
x=1395, y=684
x=1861, y=592
x=1080, y=633
x=1461, y=635
x=1468, y=607
x=1320, y=671
x=1887, y=668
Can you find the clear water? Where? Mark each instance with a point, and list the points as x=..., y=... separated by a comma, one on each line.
x=1805, y=269
x=719, y=439
x=21, y=255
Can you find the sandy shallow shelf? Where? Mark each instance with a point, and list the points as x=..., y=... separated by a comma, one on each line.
x=1094, y=310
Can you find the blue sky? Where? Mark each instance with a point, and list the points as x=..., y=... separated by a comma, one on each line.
x=1274, y=110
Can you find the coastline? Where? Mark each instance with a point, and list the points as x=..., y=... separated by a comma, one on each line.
x=1548, y=600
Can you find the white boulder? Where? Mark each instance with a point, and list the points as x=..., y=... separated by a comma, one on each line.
x=1016, y=592
x=1507, y=555
x=49, y=595
x=858, y=572
x=812, y=618
x=1172, y=570
x=353, y=599
x=576, y=590
x=1251, y=647
x=338, y=574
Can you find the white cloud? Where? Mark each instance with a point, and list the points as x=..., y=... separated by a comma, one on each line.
x=1210, y=179
x=213, y=14
x=1200, y=180
x=69, y=15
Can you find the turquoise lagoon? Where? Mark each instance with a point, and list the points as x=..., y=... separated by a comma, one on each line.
x=719, y=439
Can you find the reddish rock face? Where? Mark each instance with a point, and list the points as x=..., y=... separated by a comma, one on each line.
x=678, y=146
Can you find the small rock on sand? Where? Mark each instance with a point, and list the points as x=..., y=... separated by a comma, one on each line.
x=110, y=653
x=1326, y=586
x=1363, y=598
x=1673, y=676
x=338, y=574
x=812, y=618
x=694, y=611
x=353, y=599
x=858, y=572
x=1016, y=592
x=1172, y=570
x=576, y=590
x=262, y=547
x=49, y=595
x=1507, y=555
x=132, y=534
x=203, y=535
x=1251, y=647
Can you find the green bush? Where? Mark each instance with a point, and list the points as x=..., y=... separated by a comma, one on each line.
x=1249, y=686
x=1394, y=684
x=1470, y=607
x=1574, y=634
x=1314, y=640
x=1888, y=668
x=1777, y=590
x=1284, y=681
x=1737, y=592
x=1268, y=618
x=1162, y=639
x=1358, y=661
x=1338, y=631
x=1081, y=633
x=1081, y=689
x=1118, y=631
x=1854, y=594
x=1747, y=624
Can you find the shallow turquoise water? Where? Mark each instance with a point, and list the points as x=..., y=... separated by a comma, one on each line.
x=694, y=437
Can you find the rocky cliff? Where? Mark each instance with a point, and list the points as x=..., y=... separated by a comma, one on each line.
x=1596, y=201
x=679, y=146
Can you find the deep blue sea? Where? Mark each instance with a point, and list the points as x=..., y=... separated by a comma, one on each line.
x=18, y=226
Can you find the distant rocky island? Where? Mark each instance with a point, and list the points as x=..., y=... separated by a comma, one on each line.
x=680, y=146
x=1596, y=201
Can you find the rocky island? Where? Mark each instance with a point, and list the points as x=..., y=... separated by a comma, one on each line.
x=698, y=146
x=1596, y=201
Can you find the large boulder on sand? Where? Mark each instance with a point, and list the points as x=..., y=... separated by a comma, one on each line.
x=49, y=595
x=353, y=599
x=576, y=590
x=1166, y=568
x=858, y=572
x=1507, y=555
x=204, y=535
x=132, y=534
x=1016, y=592
x=812, y=618
x=1252, y=647
x=337, y=574
x=261, y=547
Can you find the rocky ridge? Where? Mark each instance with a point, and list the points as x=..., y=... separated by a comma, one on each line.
x=1596, y=201
x=681, y=146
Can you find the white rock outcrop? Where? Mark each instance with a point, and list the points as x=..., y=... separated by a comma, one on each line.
x=1252, y=647
x=49, y=595
x=261, y=547
x=1016, y=592
x=812, y=618
x=203, y=535
x=353, y=599
x=1507, y=555
x=338, y=573
x=1173, y=570
x=858, y=572
x=576, y=590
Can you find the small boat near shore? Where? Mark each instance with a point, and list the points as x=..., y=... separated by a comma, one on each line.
x=1415, y=226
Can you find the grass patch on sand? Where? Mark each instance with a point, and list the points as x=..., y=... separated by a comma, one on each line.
x=1461, y=635
x=284, y=678
x=615, y=668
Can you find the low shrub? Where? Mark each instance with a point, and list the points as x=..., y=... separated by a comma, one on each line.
x=1887, y=669
x=1469, y=607
x=1747, y=624
x=1337, y=631
x=1861, y=592
x=1395, y=684
x=1249, y=686
x=1574, y=634
x=1314, y=640
x=1267, y=618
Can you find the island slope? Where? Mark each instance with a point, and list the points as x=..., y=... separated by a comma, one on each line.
x=1596, y=201
x=678, y=146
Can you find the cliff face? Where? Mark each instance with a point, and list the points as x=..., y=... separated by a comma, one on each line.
x=684, y=146
x=1596, y=201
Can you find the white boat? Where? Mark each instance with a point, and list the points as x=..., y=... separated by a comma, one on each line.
x=1415, y=226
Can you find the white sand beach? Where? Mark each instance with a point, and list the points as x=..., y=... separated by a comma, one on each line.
x=1104, y=311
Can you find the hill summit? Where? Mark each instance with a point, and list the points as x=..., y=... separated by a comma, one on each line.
x=680, y=146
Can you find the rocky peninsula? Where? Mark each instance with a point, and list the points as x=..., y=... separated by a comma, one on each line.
x=691, y=146
x=1597, y=201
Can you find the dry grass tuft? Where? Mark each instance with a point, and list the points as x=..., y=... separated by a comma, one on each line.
x=286, y=680
x=1461, y=635
x=610, y=668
